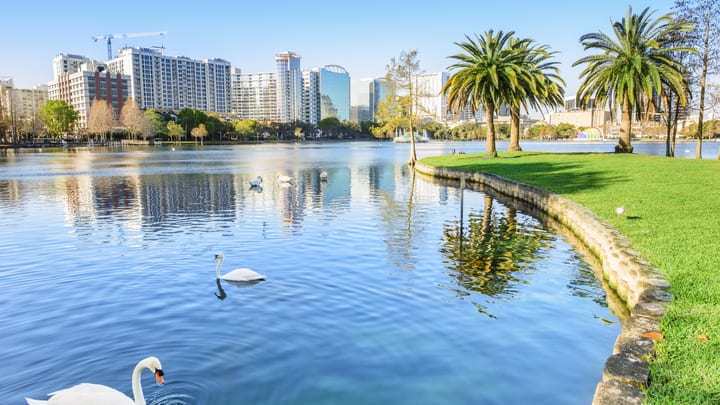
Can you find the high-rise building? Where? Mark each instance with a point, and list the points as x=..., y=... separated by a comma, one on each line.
x=174, y=83
x=431, y=102
x=81, y=88
x=20, y=107
x=360, y=91
x=299, y=95
x=311, y=103
x=65, y=64
x=289, y=86
x=380, y=89
x=254, y=96
x=571, y=104
x=334, y=92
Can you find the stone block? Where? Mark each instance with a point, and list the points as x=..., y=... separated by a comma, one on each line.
x=637, y=325
x=614, y=393
x=627, y=370
x=650, y=309
x=634, y=346
x=655, y=295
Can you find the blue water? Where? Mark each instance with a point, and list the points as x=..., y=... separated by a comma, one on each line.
x=107, y=257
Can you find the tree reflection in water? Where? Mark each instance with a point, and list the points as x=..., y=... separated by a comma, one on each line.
x=492, y=252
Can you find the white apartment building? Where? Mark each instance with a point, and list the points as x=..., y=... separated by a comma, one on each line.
x=291, y=94
x=582, y=118
x=311, y=96
x=254, y=96
x=289, y=87
x=65, y=64
x=21, y=106
x=431, y=102
x=174, y=83
x=81, y=88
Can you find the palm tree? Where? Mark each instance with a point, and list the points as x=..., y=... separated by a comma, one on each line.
x=488, y=73
x=546, y=88
x=630, y=68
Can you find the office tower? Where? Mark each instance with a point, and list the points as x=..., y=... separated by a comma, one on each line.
x=379, y=91
x=361, y=91
x=334, y=92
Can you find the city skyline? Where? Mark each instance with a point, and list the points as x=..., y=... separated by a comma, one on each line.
x=362, y=39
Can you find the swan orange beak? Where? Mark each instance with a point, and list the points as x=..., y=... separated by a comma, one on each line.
x=159, y=377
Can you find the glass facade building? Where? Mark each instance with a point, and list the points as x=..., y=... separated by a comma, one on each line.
x=360, y=91
x=334, y=93
x=378, y=92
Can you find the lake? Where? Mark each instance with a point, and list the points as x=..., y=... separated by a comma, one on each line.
x=375, y=293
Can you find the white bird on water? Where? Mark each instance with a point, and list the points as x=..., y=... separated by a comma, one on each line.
x=95, y=394
x=237, y=275
x=257, y=182
x=620, y=210
x=284, y=179
x=323, y=176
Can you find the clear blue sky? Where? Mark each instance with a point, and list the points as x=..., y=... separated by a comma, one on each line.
x=361, y=36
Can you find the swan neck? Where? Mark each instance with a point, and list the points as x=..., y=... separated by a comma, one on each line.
x=137, y=385
x=217, y=268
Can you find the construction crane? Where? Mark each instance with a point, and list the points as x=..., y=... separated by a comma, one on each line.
x=110, y=37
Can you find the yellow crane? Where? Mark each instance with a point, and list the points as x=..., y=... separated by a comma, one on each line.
x=110, y=37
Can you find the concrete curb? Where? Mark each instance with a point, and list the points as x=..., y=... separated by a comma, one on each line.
x=642, y=287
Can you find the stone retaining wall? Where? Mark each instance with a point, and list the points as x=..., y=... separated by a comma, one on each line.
x=642, y=287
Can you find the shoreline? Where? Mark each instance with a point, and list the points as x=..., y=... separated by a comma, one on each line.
x=643, y=288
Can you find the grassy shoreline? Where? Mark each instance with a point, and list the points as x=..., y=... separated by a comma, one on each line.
x=672, y=216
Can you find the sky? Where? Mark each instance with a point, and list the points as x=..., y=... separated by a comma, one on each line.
x=361, y=36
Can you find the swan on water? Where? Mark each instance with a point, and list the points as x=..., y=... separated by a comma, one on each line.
x=284, y=179
x=257, y=182
x=96, y=394
x=323, y=176
x=237, y=275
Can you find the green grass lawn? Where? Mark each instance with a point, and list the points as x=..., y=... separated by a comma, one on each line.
x=672, y=216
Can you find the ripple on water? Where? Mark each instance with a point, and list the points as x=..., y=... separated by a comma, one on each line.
x=361, y=305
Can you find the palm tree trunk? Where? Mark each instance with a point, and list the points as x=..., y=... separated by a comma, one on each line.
x=675, y=125
x=514, y=129
x=667, y=99
x=624, y=145
x=490, y=149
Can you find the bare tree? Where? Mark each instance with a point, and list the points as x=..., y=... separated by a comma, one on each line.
x=101, y=118
x=134, y=120
x=400, y=74
x=706, y=16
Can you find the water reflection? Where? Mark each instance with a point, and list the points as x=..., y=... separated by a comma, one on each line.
x=353, y=293
x=492, y=253
x=221, y=295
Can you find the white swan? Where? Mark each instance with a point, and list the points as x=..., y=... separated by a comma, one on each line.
x=284, y=179
x=237, y=275
x=257, y=182
x=95, y=394
x=323, y=176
